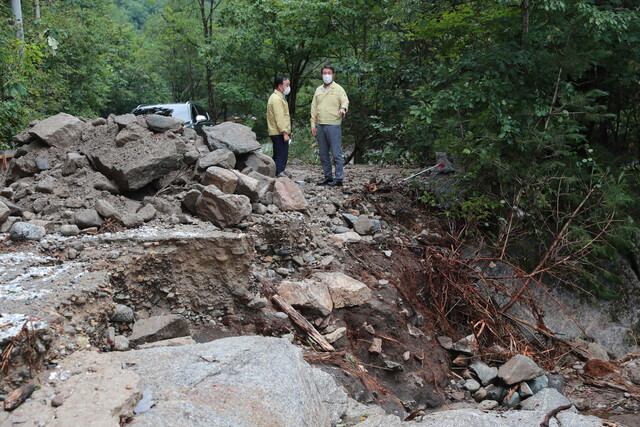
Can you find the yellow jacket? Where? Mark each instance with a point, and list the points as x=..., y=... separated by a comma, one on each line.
x=278, y=119
x=326, y=105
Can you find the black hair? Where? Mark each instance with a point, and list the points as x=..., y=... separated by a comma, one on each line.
x=333, y=70
x=279, y=80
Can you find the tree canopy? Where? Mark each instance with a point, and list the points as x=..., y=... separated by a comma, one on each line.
x=538, y=99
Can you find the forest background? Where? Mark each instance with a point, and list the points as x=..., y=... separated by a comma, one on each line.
x=537, y=99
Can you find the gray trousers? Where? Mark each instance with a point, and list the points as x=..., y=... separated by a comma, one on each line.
x=330, y=142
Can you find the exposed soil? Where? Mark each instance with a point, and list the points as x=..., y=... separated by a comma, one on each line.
x=409, y=279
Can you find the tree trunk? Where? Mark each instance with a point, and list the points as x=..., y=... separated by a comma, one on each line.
x=524, y=7
x=36, y=5
x=16, y=7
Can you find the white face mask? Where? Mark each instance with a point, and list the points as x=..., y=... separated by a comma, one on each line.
x=287, y=91
x=327, y=78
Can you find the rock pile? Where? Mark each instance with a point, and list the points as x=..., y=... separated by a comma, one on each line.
x=72, y=174
x=519, y=383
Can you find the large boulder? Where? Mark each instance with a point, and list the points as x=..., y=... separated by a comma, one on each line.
x=24, y=231
x=225, y=179
x=345, y=291
x=250, y=187
x=519, y=368
x=287, y=195
x=159, y=328
x=258, y=162
x=224, y=210
x=139, y=162
x=233, y=136
x=60, y=130
x=158, y=123
x=307, y=295
x=223, y=158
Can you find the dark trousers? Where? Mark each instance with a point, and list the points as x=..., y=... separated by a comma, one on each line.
x=280, y=152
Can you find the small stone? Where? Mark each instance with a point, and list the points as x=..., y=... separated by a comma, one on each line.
x=69, y=230
x=336, y=335
x=445, y=342
x=472, y=385
x=480, y=394
x=406, y=356
x=369, y=329
x=376, y=346
x=519, y=368
x=57, y=401
x=122, y=314
x=512, y=401
x=121, y=343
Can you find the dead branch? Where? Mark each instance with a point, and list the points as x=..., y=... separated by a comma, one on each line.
x=553, y=413
x=302, y=323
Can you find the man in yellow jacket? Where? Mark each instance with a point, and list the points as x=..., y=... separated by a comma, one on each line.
x=279, y=123
x=329, y=106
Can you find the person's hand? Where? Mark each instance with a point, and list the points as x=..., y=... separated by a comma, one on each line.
x=287, y=137
x=342, y=112
x=313, y=130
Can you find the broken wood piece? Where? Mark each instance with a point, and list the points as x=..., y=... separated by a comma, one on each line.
x=302, y=323
x=18, y=396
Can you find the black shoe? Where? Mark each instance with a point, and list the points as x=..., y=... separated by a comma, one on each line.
x=336, y=183
x=325, y=181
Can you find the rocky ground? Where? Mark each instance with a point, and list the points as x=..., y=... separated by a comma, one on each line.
x=104, y=257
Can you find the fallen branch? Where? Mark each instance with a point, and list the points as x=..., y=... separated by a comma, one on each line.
x=599, y=383
x=545, y=422
x=302, y=323
x=18, y=396
x=430, y=168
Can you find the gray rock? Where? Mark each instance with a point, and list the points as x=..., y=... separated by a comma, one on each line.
x=364, y=226
x=69, y=230
x=124, y=120
x=122, y=314
x=512, y=401
x=159, y=124
x=258, y=162
x=240, y=381
x=336, y=335
x=447, y=343
x=121, y=343
x=519, y=368
x=24, y=231
x=351, y=219
x=60, y=130
x=8, y=223
x=222, y=157
x=139, y=162
x=159, y=328
x=224, y=210
x=131, y=133
x=87, y=218
x=22, y=138
x=556, y=381
x=466, y=345
x=46, y=185
x=287, y=195
x=525, y=390
x=307, y=295
x=345, y=291
x=57, y=401
x=105, y=209
x=546, y=400
x=495, y=392
x=538, y=383
x=191, y=157
x=226, y=180
x=233, y=136
x=147, y=212
x=249, y=187
x=42, y=164
x=5, y=212
x=486, y=374
x=190, y=199
x=472, y=385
